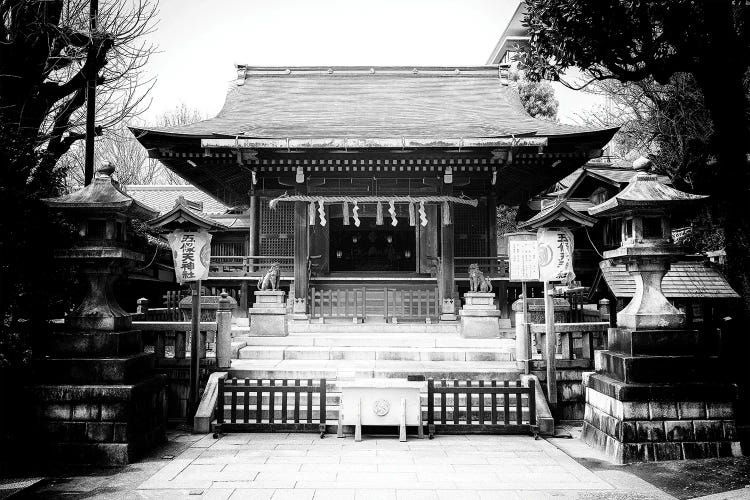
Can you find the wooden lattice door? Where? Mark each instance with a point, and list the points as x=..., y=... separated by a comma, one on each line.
x=276, y=229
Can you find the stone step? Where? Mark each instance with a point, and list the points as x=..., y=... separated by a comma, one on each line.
x=370, y=353
x=379, y=328
x=383, y=340
x=347, y=370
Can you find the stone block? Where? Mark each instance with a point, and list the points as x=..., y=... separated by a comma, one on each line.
x=90, y=371
x=708, y=430
x=268, y=323
x=662, y=410
x=75, y=431
x=478, y=324
x=120, y=433
x=113, y=411
x=691, y=410
x=91, y=453
x=650, y=431
x=100, y=432
x=655, y=342
x=629, y=432
x=635, y=410
x=637, y=452
x=57, y=411
x=728, y=449
x=719, y=410
x=667, y=451
x=86, y=411
x=698, y=450
x=730, y=430
x=679, y=430
x=476, y=300
x=90, y=344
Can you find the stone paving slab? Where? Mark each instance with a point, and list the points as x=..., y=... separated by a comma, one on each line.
x=285, y=465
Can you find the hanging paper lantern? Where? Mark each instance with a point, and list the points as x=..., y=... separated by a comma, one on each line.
x=392, y=211
x=345, y=210
x=311, y=213
x=422, y=214
x=446, y=213
x=379, y=215
x=322, y=212
x=355, y=214
x=412, y=215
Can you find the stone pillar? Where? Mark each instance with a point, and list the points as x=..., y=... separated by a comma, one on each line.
x=268, y=314
x=301, y=255
x=480, y=318
x=223, y=332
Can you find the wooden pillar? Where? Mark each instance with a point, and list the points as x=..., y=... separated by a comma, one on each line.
x=300, y=260
x=252, y=241
x=448, y=310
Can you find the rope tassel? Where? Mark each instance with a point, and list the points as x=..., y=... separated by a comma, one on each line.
x=345, y=211
x=392, y=211
x=422, y=214
x=379, y=215
x=355, y=214
x=322, y=213
x=412, y=215
x=311, y=213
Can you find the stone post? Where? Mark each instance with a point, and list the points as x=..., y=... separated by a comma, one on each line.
x=523, y=344
x=223, y=333
x=142, y=306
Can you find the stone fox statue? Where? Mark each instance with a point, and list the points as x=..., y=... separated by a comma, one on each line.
x=271, y=279
x=478, y=282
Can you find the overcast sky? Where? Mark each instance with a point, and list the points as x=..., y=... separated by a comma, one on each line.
x=199, y=41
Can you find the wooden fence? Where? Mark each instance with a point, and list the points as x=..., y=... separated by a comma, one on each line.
x=495, y=412
x=248, y=415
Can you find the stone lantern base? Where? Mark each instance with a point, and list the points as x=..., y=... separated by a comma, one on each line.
x=657, y=395
x=96, y=398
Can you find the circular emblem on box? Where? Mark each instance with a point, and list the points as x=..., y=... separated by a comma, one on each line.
x=381, y=407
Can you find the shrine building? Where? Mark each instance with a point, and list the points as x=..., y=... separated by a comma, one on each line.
x=374, y=188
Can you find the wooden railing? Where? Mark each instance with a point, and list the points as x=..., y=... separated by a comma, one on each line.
x=244, y=402
x=359, y=303
x=495, y=412
x=248, y=265
x=494, y=267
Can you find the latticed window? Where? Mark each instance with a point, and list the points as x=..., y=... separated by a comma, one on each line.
x=470, y=230
x=276, y=229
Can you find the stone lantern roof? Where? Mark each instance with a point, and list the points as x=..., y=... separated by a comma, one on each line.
x=102, y=196
x=645, y=192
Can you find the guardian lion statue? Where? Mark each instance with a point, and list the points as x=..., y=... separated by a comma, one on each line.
x=270, y=280
x=478, y=282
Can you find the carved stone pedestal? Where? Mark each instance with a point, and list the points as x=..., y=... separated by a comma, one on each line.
x=479, y=317
x=268, y=314
x=659, y=395
x=96, y=398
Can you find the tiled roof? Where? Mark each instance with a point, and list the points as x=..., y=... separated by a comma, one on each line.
x=645, y=190
x=162, y=198
x=686, y=279
x=378, y=102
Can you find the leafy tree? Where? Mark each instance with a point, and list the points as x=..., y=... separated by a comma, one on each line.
x=47, y=55
x=538, y=99
x=637, y=40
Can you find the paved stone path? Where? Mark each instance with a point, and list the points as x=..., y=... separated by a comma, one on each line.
x=303, y=466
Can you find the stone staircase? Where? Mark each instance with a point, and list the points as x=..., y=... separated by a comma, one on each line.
x=344, y=351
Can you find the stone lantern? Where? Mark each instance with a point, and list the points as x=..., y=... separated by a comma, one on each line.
x=646, y=248
x=101, y=212
x=659, y=391
x=95, y=395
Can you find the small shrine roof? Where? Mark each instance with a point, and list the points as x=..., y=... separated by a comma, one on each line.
x=381, y=102
x=560, y=213
x=103, y=194
x=182, y=213
x=645, y=191
x=162, y=197
x=685, y=279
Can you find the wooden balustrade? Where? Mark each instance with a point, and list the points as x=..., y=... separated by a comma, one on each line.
x=248, y=265
x=494, y=267
x=392, y=304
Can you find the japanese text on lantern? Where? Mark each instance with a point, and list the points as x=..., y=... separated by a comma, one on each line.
x=191, y=253
x=555, y=255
